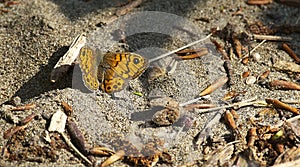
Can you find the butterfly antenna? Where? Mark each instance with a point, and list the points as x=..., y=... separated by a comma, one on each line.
x=176, y=50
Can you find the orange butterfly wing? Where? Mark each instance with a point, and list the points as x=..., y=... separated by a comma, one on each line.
x=89, y=64
x=116, y=69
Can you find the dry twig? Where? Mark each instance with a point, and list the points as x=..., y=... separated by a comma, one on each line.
x=57, y=124
x=220, y=49
x=290, y=52
x=280, y=105
x=271, y=37
x=214, y=86
x=259, y=2
x=24, y=107
x=283, y=85
x=22, y=125
x=195, y=53
x=129, y=7
x=181, y=48
x=248, y=102
x=229, y=71
x=115, y=157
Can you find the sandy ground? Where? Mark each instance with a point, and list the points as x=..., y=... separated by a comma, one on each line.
x=35, y=34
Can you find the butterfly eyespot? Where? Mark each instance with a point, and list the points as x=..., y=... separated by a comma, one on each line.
x=136, y=61
x=119, y=84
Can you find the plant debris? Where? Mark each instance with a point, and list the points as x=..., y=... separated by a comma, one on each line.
x=248, y=116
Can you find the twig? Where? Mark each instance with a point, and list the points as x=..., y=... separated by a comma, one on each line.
x=280, y=105
x=176, y=50
x=248, y=102
x=220, y=49
x=10, y=132
x=10, y=3
x=199, y=106
x=238, y=12
x=257, y=46
x=190, y=102
x=289, y=67
x=259, y=2
x=57, y=124
x=115, y=157
x=214, y=86
x=123, y=10
x=194, y=55
x=27, y=119
x=252, y=136
x=129, y=7
x=22, y=125
x=186, y=51
x=284, y=85
x=290, y=52
x=271, y=37
x=69, y=143
x=229, y=71
x=25, y=107
x=236, y=105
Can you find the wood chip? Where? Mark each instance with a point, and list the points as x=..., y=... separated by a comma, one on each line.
x=280, y=105
x=287, y=66
x=115, y=157
x=65, y=62
x=283, y=85
x=290, y=52
x=229, y=119
x=214, y=86
x=58, y=122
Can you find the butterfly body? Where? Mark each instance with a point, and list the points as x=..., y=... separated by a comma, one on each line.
x=110, y=72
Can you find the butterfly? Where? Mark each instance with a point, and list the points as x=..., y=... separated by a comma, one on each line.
x=111, y=71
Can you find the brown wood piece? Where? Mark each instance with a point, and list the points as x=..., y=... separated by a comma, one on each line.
x=291, y=52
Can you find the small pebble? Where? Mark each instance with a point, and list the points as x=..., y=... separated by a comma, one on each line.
x=16, y=101
x=256, y=57
x=250, y=80
x=51, y=25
